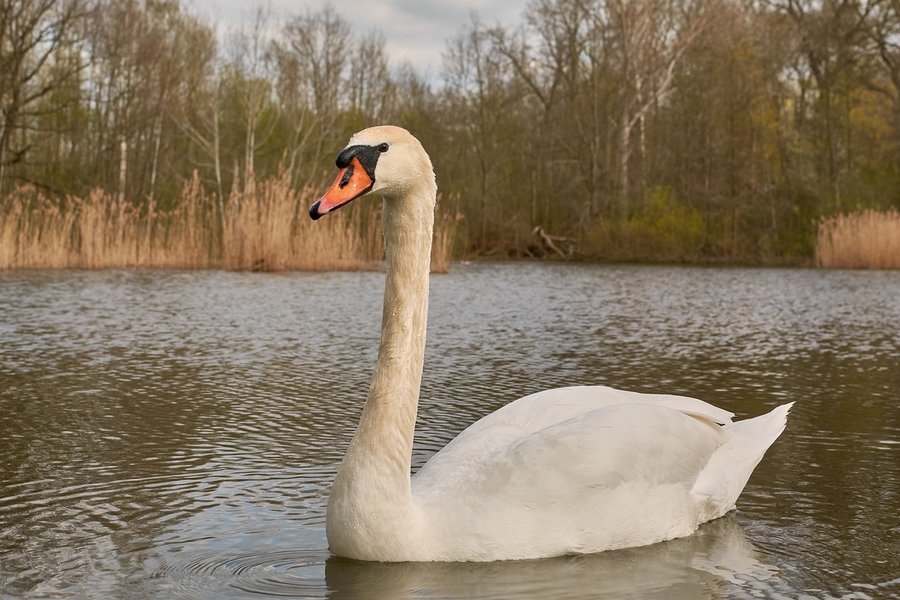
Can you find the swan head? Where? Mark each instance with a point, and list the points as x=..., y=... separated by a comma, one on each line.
x=386, y=160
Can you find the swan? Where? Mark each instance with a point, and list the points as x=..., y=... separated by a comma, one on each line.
x=572, y=470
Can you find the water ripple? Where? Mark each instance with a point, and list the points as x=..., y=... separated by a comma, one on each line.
x=268, y=573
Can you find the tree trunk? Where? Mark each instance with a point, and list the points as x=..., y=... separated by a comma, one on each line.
x=123, y=168
x=154, y=166
x=624, y=158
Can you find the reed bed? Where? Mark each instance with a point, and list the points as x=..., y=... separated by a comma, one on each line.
x=263, y=226
x=864, y=240
x=445, y=227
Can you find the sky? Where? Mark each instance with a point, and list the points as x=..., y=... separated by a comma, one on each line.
x=414, y=30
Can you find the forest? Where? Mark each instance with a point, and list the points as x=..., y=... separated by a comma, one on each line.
x=654, y=130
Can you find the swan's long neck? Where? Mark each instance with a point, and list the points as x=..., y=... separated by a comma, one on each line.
x=371, y=501
x=389, y=416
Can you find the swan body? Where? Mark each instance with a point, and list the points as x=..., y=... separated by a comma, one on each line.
x=564, y=471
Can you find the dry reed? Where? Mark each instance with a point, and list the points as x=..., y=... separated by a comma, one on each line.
x=264, y=227
x=445, y=226
x=864, y=240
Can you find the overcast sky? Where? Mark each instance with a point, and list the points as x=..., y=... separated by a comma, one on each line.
x=414, y=30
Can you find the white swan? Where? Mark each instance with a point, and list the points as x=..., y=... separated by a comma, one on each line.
x=564, y=471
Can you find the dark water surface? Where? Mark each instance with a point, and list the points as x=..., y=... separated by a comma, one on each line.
x=174, y=434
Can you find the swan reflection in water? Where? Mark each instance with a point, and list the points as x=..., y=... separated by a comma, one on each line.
x=716, y=561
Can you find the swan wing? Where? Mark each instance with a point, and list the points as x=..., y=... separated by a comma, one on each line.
x=615, y=476
x=536, y=412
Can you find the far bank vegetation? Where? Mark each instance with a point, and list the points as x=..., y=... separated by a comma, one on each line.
x=645, y=130
x=263, y=227
x=865, y=240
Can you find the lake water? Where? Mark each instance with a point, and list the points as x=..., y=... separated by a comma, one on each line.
x=174, y=434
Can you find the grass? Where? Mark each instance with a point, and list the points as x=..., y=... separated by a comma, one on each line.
x=864, y=240
x=263, y=226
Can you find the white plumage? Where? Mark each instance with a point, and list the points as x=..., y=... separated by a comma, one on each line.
x=563, y=471
x=585, y=469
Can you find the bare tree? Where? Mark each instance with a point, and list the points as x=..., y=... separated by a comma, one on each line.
x=198, y=111
x=564, y=102
x=651, y=36
x=369, y=83
x=831, y=36
x=884, y=35
x=480, y=97
x=247, y=75
x=321, y=42
x=31, y=32
x=312, y=54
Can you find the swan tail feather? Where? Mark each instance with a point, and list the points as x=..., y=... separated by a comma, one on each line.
x=728, y=470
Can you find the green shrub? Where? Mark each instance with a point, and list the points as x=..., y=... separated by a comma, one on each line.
x=663, y=230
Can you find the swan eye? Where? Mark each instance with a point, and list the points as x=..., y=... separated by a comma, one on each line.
x=383, y=147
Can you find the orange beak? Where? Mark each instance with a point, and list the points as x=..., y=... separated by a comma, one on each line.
x=351, y=182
